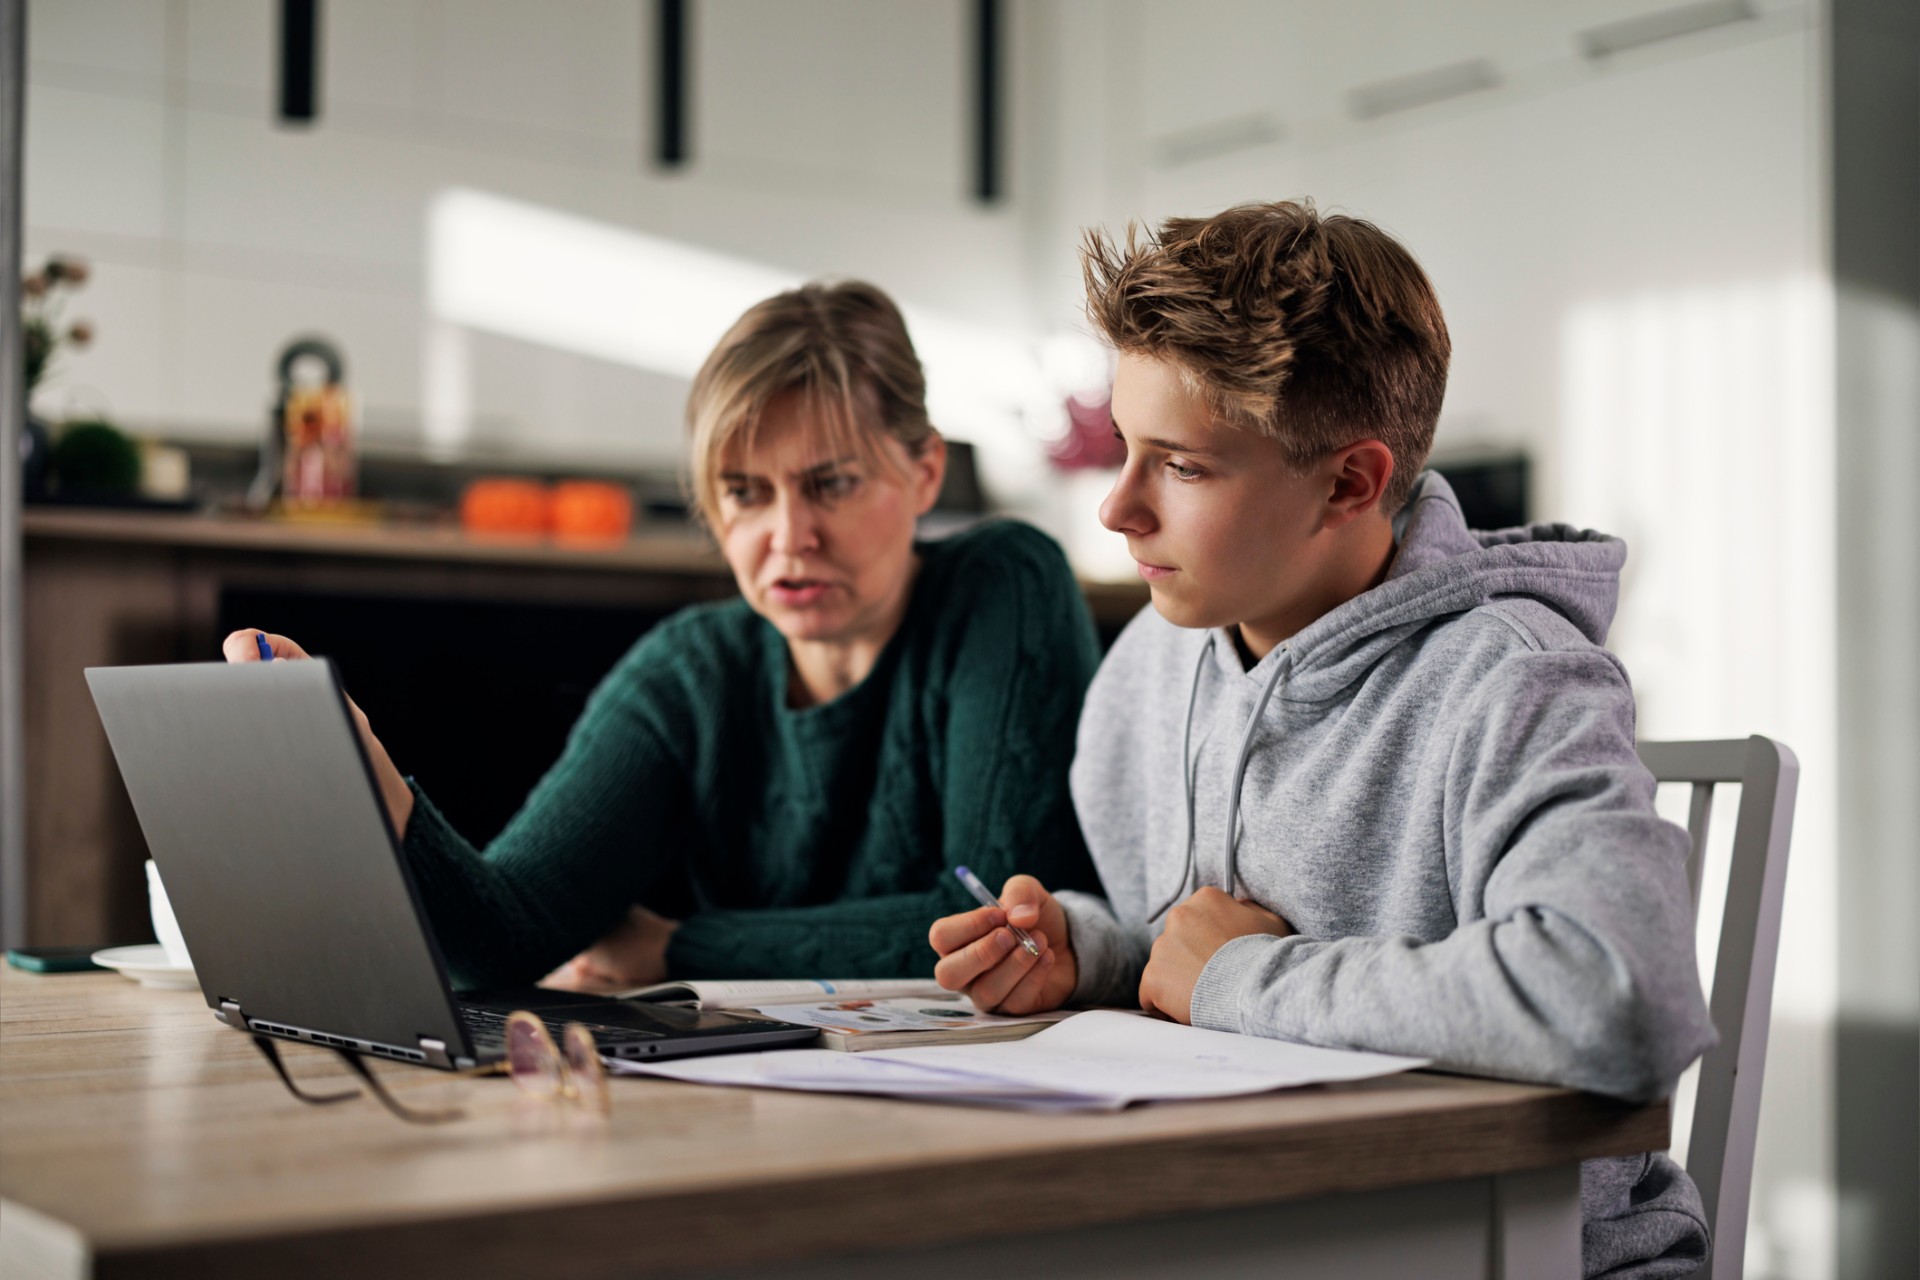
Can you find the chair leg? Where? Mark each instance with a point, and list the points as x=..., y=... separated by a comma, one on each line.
x=1536, y=1224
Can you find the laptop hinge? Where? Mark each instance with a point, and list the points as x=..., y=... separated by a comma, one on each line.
x=230, y=1014
x=436, y=1051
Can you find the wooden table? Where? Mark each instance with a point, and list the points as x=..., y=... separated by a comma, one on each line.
x=138, y=1137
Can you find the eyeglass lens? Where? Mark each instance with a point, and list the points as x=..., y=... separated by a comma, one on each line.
x=532, y=1058
x=589, y=1077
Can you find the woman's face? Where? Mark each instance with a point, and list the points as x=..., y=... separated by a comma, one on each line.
x=822, y=543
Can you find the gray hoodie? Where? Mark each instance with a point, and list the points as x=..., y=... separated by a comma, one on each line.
x=1436, y=786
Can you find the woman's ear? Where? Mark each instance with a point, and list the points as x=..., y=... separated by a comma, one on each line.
x=928, y=469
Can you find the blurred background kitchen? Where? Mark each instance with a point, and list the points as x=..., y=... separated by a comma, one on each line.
x=1676, y=243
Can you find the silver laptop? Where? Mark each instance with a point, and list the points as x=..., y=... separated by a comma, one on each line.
x=261, y=811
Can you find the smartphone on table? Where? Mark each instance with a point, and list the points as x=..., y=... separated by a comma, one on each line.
x=53, y=959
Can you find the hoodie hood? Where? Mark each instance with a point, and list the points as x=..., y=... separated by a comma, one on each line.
x=1441, y=568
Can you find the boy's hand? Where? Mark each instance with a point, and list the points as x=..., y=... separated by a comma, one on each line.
x=1195, y=930
x=981, y=957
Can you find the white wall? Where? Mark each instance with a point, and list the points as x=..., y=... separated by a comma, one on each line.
x=829, y=138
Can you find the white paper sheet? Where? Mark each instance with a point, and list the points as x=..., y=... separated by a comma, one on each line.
x=829, y=1071
x=1098, y=1060
x=1126, y=1059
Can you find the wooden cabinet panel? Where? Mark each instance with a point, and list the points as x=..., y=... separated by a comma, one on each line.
x=86, y=604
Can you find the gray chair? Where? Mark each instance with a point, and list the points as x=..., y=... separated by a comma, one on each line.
x=1726, y=1107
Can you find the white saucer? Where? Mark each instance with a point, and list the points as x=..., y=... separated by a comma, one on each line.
x=148, y=965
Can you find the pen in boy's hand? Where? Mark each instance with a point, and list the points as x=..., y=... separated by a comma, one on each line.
x=979, y=891
x=266, y=650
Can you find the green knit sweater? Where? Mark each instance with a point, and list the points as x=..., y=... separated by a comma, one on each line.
x=793, y=843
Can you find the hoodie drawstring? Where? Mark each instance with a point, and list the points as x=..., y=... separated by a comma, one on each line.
x=1230, y=855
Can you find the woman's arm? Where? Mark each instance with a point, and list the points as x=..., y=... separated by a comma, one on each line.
x=245, y=646
x=563, y=871
x=589, y=841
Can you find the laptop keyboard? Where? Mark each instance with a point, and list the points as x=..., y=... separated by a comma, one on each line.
x=489, y=1026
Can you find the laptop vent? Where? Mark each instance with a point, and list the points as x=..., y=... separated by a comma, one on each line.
x=342, y=1042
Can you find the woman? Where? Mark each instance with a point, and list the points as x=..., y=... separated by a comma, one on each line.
x=804, y=766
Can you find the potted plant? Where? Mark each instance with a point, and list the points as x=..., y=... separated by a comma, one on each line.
x=45, y=331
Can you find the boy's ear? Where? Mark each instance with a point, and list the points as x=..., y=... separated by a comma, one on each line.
x=1359, y=475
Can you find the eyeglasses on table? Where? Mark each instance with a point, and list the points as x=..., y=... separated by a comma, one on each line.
x=566, y=1073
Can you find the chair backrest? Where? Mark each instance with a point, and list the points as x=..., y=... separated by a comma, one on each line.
x=1726, y=1106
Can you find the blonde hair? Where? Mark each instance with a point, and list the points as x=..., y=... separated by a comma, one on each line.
x=843, y=345
x=1313, y=331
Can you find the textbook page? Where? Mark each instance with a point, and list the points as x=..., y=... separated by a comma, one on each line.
x=861, y=1025
x=753, y=993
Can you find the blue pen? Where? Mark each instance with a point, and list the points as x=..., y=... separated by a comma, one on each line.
x=979, y=891
x=266, y=650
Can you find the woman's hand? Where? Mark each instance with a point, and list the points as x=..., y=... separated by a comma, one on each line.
x=980, y=956
x=633, y=955
x=242, y=646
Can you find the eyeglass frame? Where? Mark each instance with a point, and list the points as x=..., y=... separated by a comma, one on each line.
x=567, y=1087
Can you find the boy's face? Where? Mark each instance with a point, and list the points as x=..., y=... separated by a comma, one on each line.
x=1224, y=531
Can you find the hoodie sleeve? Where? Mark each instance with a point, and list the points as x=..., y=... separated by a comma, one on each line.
x=1574, y=960
x=1108, y=955
x=1135, y=705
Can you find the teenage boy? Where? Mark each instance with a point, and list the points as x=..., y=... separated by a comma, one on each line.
x=1360, y=777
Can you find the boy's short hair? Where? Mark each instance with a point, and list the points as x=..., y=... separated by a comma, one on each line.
x=1314, y=331
x=843, y=344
